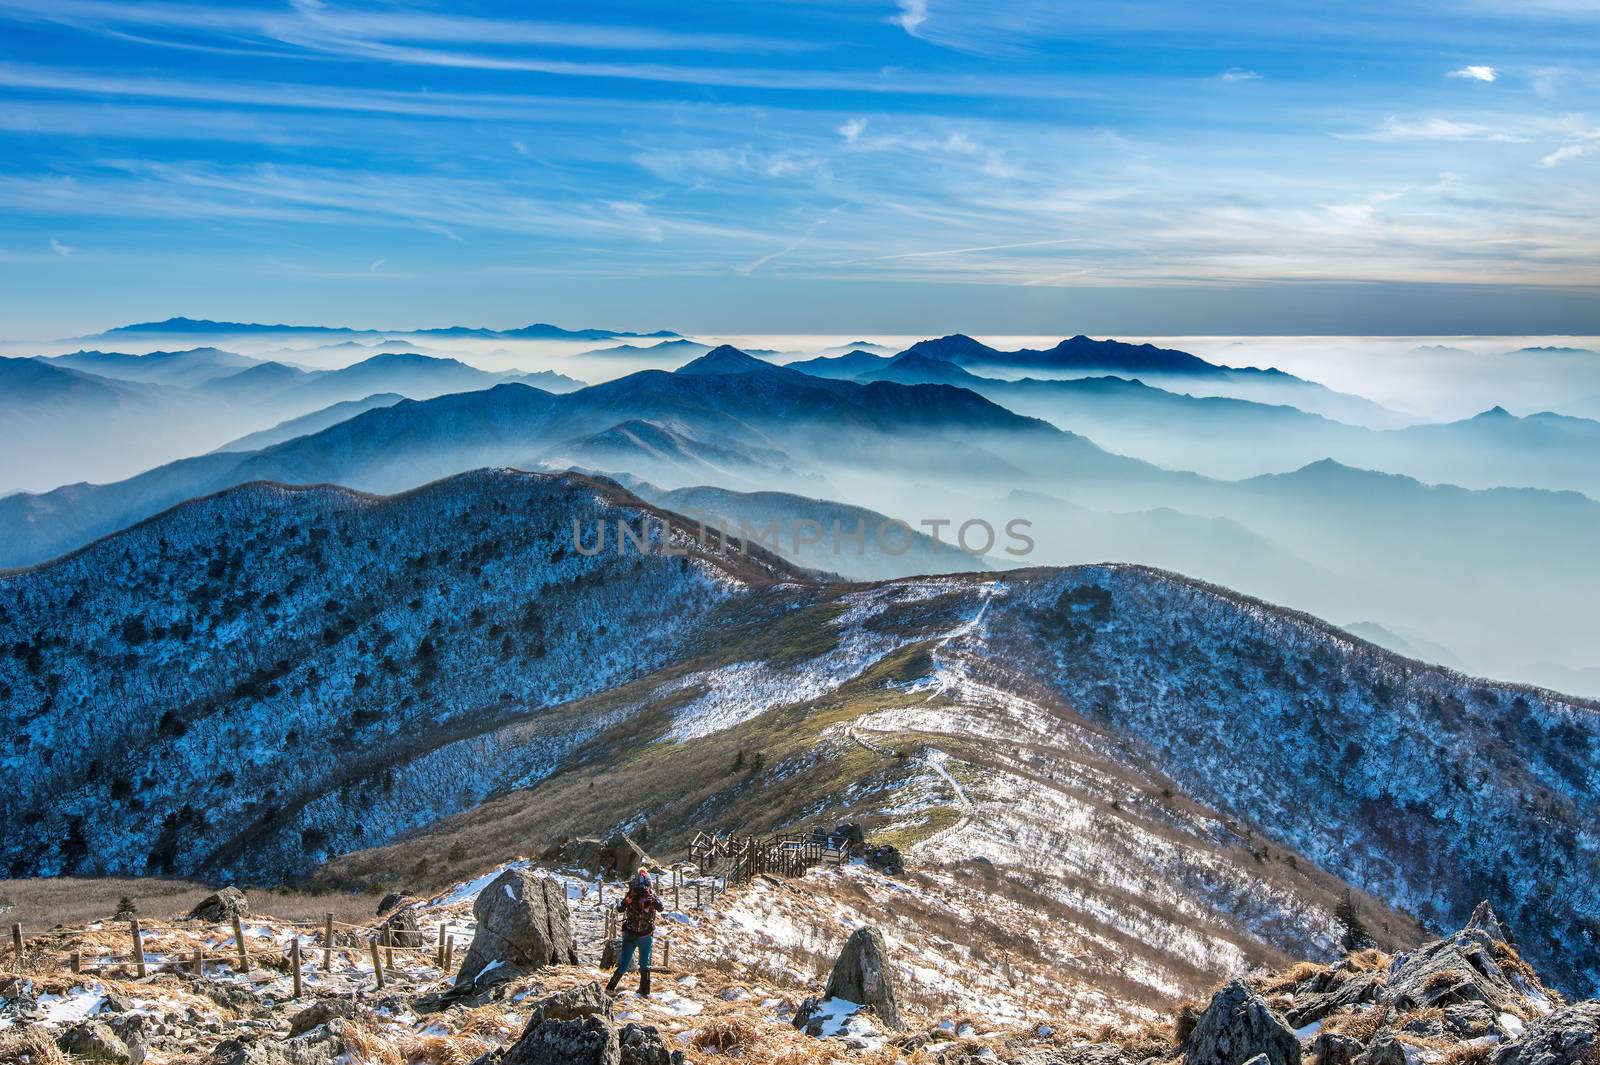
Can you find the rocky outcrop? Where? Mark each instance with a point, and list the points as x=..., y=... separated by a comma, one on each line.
x=1461, y=968
x=222, y=907
x=1568, y=1036
x=575, y=1026
x=861, y=977
x=617, y=855
x=1237, y=1026
x=522, y=924
x=1340, y=987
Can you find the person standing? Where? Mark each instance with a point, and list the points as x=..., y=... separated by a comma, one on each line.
x=638, y=908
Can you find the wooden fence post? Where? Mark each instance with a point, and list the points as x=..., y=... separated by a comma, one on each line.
x=438, y=949
x=138, y=947
x=666, y=954
x=238, y=943
x=199, y=963
x=16, y=948
x=327, y=945
x=294, y=961
x=388, y=946
x=377, y=962
x=449, y=953
x=77, y=959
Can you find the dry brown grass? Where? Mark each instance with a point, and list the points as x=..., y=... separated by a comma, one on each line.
x=1439, y=981
x=1150, y=1040
x=1423, y=1016
x=1291, y=978
x=50, y=902
x=1370, y=959
x=30, y=1046
x=1464, y=1054
x=1360, y=1025
x=1184, y=1019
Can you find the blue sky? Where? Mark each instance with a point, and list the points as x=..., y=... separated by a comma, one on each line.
x=910, y=166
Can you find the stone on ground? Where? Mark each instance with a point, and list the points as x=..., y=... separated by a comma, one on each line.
x=523, y=924
x=222, y=907
x=1237, y=1026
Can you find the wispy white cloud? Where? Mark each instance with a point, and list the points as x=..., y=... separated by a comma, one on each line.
x=1394, y=128
x=60, y=248
x=913, y=13
x=1239, y=74
x=1475, y=73
x=852, y=129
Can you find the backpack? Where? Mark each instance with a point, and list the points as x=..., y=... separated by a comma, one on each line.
x=639, y=912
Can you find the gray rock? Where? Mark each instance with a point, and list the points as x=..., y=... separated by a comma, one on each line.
x=222, y=907
x=1566, y=1037
x=1331, y=993
x=589, y=1041
x=1459, y=968
x=622, y=856
x=617, y=855
x=862, y=975
x=1330, y=1048
x=321, y=1012
x=392, y=901
x=885, y=858
x=1384, y=1049
x=95, y=1041
x=1485, y=920
x=573, y=1004
x=523, y=924
x=403, y=929
x=1237, y=1026
x=323, y=1045
x=642, y=1045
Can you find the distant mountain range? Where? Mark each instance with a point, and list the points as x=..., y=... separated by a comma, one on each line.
x=96, y=415
x=1339, y=541
x=203, y=327
x=1234, y=438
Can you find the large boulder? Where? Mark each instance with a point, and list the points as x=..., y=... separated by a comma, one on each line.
x=862, y=975
x=403, y=929
x=94, y=1041
x=393, y=901
x=589, y=1041
x=623, y=857
x=616, y=856
x=643, y=1045
x=575, y=1003
x=222, y=907
x=1238, y=1025
x=1565, y=1037
x=848, y=839
x=523, y=924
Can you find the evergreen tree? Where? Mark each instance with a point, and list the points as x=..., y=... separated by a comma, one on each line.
x=1355, y=935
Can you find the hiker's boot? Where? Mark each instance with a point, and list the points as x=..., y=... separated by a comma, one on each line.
x=616, y=978
x=644, y=983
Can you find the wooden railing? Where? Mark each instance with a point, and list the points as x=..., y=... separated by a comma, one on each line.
x=741, y=859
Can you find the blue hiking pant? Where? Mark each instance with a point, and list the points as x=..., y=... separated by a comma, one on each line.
x=630, y=944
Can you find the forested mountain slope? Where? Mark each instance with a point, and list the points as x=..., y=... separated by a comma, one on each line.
x=254, y=683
